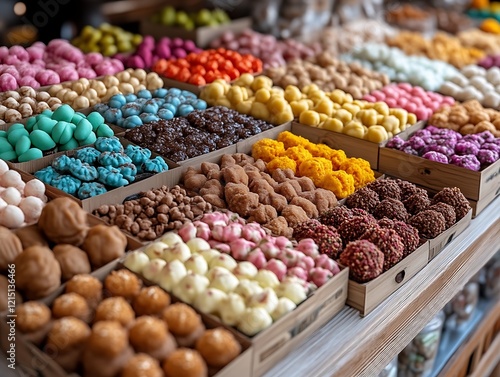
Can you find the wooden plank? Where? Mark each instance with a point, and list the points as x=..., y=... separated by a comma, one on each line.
x=490, y=361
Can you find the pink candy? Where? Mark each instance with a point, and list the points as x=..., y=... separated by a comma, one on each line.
x=278, y=267
x=7, y=82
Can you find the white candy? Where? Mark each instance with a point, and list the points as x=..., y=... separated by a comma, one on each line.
x=32, y=208
x=3, y=167
x=11, y=217
x=11, y=196
x=35, y=188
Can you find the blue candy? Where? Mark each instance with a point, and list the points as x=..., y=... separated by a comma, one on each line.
x=165, y=114
x=88, y=155
x=188, y=94
x=173, y=100
x=90, y=189
x=185, y=109
x=63, y=163
x=66, y=183
x=129, y=171
x=112, y=115
x=132, y=122
x=108, y=144
x=138, y=154
x=175, y=92
x=150, y=107
x=114, y=159
x=101, y=108
x=199, y=104
x=130, y=109
x=156, y=165
x=130, y=97
x=171, y=107
x=110, y=176
x=144, y=93
x=160, y=93
x=148, y=118
x=46, y=175
x=83, y=171
x=118, y=99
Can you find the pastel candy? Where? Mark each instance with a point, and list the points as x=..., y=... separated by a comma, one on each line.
x=95, y=119
x=23, y=144
x=30, y=155
x=90, y=189
x=90, y=140
x=71, y=144
x=30, y=123
x=83, y=130
x=8, y=155
x=64, y=113
x=42, y=140
x=62, y=132
x=104, y=131
x=5, y=145
x=13, y=136
x=46, y=124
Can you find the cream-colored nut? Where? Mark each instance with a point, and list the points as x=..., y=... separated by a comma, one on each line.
x=55, y=106
x=139, y=74
x=155, y=84
x=123, y=76
x=2, y=122
x=25, y=110
x=41, y=106
x=60, y=94
x=130, y=70
x=78, y=87
x=53, y=90
x=12, y=94
x=42, y=96
x=94, y=101
x=110, y=81
x=85, y=82
x=126, y=88
x=134, y=81
x=152, y=76
x=70, y=96
x=30, y=101
x=90, y=94
x=11, y=103
x=81, y=102
x=52, y=101
x=27, y=91
x=3, y=109
x=110, y=93
x=99, y=87
x=12, y=115
x=140, y=87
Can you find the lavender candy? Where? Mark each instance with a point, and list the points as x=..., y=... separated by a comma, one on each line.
x=487, y=136
x=423, y=133
x=487, y=157
x=468, y=161
x=448, y=152
x=466, y=147
x=492, y=147
x=436, y=156
x=473, y=138
x=395, y=143
x=417, y=143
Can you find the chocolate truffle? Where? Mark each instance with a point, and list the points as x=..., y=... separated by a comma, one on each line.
x=447, y=211
x=104, y=244
x=335, y=216
x=429, y=223
x=71, y=305
x=326, y=237
x=151, y=301
x=407, y=188
x=72, y=259
x=86, y=286
x=355, y=226
x=31, y=236
x=417, y=202
x=10, y=248
x=150, y=335
x=363, y=198
x=408, y=234
x=123, y=283
x=388, y=242
x=33, y=321
x=364, y=259
x=385, y=188
x=454, y=197
x=391, y=208
x=142, y=365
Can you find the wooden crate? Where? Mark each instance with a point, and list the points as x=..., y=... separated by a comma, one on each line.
x=366, y=297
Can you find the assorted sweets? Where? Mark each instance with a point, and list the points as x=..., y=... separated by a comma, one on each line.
x=21, y=202
x=106, y=39
x=272, y=52
x=16, y=105
x=120, y=327
x=481, y=40
x=105, y=166
x=59, y=246
x=400, y=67
x=200, y=132
x=475, y=83
x=410, y=17
x=60, y=130
x=413, y=99
x=59, y=61
x=83, y=93
x=169, y=16
x=232, y=269
x=489, y=61
x=149, y=51
x=328, y=74
x=446, y=146
x=469, y=117
x=207, y=66
x=134, y=110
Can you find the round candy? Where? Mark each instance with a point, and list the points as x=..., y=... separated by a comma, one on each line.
x=83, y=130
x=165, y=114
x=104, y=131
x=144, y=93
x=42, y=140
x=64, y=112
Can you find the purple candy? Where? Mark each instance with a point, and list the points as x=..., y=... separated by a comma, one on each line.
x=408, y=149
x=487, y=157
x=466, y=148
x=435, y=156
x=417, y=143
x=441, y=149
x=473, y=138
x=491, y=146
x=468, y=161
x=487, y=136
x=395, y=143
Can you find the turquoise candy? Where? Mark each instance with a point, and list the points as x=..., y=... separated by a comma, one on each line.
x=77, y=118
x=185, y=109
x=42, y=140
x=104, y=131
x=165, y=114
x=90, y=140
x=129, y=171
x=95, y=119
x=160, y=93
x=90, y=189
x=88, y=155
x=112, y=115
x=150, y=107
x=64, y=113
x=83, y=171
x=46, y=175
x=144, y=93
x=66, y=183
x=131, y=109
x=47, y=113
x=5, y=146
x=114, y=159
x=130, y=97
x=8, y=155
x=173, y=100
x=174, y=92
x=14, y=127
x=149, y=118
x=30, y=155
x=199, y=104
x=137, y=154
x=62, y=163
x=3, y=134
x=62, y=132
x=111, y=177
x=132, y=122
x=30, y=123
x=156, y=165
x=83, y=130
x=108, y=144
x=23, y=145
x=117, y=101
x=14, y=136
x=71, y=144
x=46, y=124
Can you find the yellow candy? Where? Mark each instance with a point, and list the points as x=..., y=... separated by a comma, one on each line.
x=390, y=123
x=333, y=124
x=308, y=88
x=212, y=92
x=412, y=118
x=283, y=117
x=244, y=107
x=342, y=115
x=277, y=105
x=245, y=79
x=355, y=129
x=309, y=118
x=401, y=114
x=299, y=107
x=261, y=82
x=376, y=134
x=292, y=93
x=322, y=117
x=223, y=102
x=367, y=117
x=260, y=111
x=338, y=96
x=262, y=95
x=381, y=108
x=324, y=106
x=235, y=95
x=277, y=91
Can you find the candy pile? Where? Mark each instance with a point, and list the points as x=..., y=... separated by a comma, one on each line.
x=225, y=267
x=408, y=16
x=475, y=38
x=470, y=117
x=83, y=93
x=490, y=61
x=206, y=66
x=413, y=99
x=132, y=110
x=25, y=102
x=416, y=70
x=106, y=39
x=61, y=130
x=149, y=51
x=47, y=65
x=200, y=132
x=169, y=16
x=328, y=74
x=475, y=83
x=76, y=248
x=272, y=52
x=20, y=202
x=474, y=152
x=94, y=170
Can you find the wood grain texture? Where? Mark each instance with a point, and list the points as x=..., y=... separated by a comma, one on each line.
x=349, y=345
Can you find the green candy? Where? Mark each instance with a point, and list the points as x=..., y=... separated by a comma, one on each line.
x=42, y=140
x=23, y=145
x=47, y=113
x=14, y=127
x=46, y=124
x=71, y=144
x=104, y=131
x=5, y=146
x=83, y=130
x=30, y=155
x=95, y=119
x=14, y=136
x=62, y=132
x=8, y=156
x=90, y=140
x=64, y=112
x=30, y=123
x=3, y=134
x=77, y=118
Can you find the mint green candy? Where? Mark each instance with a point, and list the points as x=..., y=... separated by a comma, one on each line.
x=8, y=156
x=22, y=145
x=62, y=132
x=30, y=155
x=30, y=123
x=83, y=130
x=47, y=113
x=90, y=140
x=71, y=144
x=95, y=119
x=104, y=131
x=5, y=146
x=77, y=118
x=14, y=136
x=64, y=112
x=46, y=124
x=3, y=134
x=14, y=127
x=42, y=140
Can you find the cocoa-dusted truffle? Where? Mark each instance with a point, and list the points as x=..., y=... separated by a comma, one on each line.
x=335, y=216
x=454, y=197
x=385, y=188
x=392, y=208
x=218, y=347
x=115, y=309
x=354, y=227
x=429, y=223
x=364, y=259
x=364, y=198
x=10, y=247
x=31, y=236
x=407, y=188
x=33, y=321
x=150, y=335
x=448, y=212
x=185, y=362
x=104, y=244
x=71, y=305
x=417, y=202
x=72, y=259
x=388, y=242
x=408, y=234
x=326, y=237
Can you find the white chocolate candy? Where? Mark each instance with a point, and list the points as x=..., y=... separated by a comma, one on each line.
x=247, y=288
x=245, y=270
x=209, y=301
x=254, y=320
x=155, y=250
x=226, y=282
x=210, y=254
x=285, y=305
x=32, y=208
x=232, y=309
x=178, y=251
x=171, y=274
x=152, y=270
x=267, y=279
x=197, y=264
x=136, y=261
x=197, y=245
x=190, y=287
x=11, y=217
x=224, y=260
x=292, y=290
x=171, y=239
x=36, y=188
x=267, y=299
x=11, y=196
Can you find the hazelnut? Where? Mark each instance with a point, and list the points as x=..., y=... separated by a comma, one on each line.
x=25, y=110
x=27, y=91
x=12, y=116
x=11, y=103
x=14, y=94
x=42, y=96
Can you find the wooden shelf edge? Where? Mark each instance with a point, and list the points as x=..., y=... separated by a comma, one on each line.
x=489, y=360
